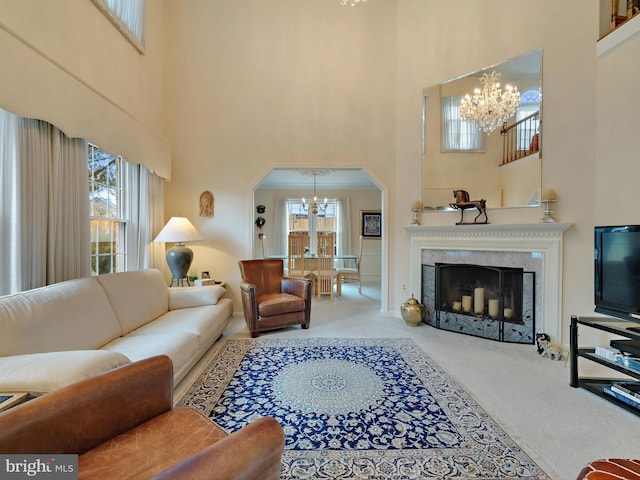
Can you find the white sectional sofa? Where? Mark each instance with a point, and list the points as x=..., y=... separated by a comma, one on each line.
x=59, y=334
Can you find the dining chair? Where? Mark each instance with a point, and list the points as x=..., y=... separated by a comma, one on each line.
x=325, y=274
x=350, y=274
x=296, y=267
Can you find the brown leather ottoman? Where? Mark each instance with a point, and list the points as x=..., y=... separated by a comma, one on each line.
x=611, y=469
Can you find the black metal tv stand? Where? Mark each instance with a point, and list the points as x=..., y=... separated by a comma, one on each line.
x=612, y=325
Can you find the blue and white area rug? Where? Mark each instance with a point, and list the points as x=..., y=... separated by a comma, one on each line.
x=358, y=409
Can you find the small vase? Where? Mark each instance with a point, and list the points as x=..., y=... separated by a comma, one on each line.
x=412, y=312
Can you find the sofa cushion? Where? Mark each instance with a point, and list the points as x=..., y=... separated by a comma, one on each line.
x=45, y=372
x=279, y=303
x=207, y=322
x=137, y=297
x=179, y=346
x=194, y=296
x=71, y=315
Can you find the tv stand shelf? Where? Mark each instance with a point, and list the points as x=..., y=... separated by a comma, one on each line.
x=595, y=385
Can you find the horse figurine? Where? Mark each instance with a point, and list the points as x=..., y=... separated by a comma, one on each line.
x=462, y=203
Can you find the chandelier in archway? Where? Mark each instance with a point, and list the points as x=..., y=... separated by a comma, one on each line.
x=351, y=3
x=316, y=207
x=490, y=107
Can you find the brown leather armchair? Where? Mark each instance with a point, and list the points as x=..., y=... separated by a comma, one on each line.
x=123, y=426
x=270, y=300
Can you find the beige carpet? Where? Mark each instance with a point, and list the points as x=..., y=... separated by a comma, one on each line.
x=560, y=427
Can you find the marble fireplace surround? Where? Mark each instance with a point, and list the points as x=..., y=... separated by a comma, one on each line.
x=545, y=238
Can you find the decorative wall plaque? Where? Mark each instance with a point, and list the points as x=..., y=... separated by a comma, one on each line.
x=206, y=204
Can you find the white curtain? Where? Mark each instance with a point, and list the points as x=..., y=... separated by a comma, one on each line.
x=45, y=213
x=456, y=134
x=145, y=213
x=10, y=280
x=131, y=12
x=344, y=226
x=280, y=227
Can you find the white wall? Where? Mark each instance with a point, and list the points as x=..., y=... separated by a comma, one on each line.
x=442, y=40
x=289, y=83
x=618, y=134
x=255, y=85
x=65, y=63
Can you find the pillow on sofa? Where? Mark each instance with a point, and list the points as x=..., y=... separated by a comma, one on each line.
x=44, y=372
x=187, y=297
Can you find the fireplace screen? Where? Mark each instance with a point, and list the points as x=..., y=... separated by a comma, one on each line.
x=490, y=302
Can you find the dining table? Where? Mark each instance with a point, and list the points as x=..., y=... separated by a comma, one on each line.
x=310, y=261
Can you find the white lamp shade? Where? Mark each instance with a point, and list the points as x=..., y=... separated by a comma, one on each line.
x=179, y=230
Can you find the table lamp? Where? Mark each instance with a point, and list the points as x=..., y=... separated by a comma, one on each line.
x=179, y=257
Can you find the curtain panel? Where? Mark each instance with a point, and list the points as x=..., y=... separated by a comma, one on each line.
x=458, y=135
x=45, y=213
x=145, y=214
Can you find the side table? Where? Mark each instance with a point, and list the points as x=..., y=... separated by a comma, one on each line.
x=209, y=281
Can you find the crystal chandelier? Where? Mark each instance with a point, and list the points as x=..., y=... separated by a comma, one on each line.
x=315, y=207
x=490, y=107
x=351, y=3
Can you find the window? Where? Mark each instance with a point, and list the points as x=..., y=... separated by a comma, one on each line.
x=128, y=16
x=458, y=135
x=300, y=220
x=108, y=226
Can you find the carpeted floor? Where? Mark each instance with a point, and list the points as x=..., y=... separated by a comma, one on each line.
x=358, y=408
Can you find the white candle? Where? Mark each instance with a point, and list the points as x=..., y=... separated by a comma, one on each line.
x=508, y=312
x=456, y=306
x=493, y=307
x=549, y=194
x=466, y=303
x=478, y=300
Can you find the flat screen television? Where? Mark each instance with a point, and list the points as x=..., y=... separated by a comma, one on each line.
x=617, y=271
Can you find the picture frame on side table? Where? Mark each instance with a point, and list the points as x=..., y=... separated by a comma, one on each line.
x=371, y=224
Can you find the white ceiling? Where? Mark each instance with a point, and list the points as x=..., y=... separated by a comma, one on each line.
x=333, y=179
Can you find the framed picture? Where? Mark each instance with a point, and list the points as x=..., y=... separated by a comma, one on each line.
x=371, y=224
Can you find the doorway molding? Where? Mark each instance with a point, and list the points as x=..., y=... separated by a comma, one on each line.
x=384, y=209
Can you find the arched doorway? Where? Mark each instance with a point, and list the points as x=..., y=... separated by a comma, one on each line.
x=354, y=187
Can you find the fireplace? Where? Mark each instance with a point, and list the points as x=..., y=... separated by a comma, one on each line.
x=531, y=247
x=485, y=301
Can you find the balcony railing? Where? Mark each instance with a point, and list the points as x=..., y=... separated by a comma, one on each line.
x=521, y=138
x=629, y=9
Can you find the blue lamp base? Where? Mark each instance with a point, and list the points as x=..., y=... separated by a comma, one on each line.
x=179, y=259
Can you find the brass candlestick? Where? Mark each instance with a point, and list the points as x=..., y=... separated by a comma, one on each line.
x=548, y=211
x=416, y=220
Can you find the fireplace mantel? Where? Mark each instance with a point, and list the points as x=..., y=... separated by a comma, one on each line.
x=490, y=229
x=545, y=238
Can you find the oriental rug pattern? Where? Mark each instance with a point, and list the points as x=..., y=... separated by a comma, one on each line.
x=358, y=408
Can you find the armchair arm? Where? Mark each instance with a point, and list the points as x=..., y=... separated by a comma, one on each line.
x=80, y=416
x=249, y=294
x=253, y=452
x=297, y=286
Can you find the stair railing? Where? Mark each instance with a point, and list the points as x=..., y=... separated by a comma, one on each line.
x=520, y=139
